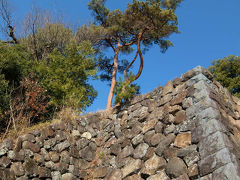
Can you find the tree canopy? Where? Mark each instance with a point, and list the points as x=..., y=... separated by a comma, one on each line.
x=227, y=72
x=142, y=23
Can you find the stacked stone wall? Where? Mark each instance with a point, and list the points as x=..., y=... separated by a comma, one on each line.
x=188, y=129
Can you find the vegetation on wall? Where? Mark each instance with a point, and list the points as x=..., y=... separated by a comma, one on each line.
x=227, y=72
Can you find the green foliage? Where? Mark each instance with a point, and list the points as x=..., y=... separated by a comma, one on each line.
x=148, y=22
x=128, y=93
x=66, y=75
x=227, y=72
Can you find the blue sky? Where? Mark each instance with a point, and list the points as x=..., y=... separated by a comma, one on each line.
x=210, y=29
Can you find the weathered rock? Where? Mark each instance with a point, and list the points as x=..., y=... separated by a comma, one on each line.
x=170, y=152
x=140, y=151
x=168, y=88
x=156, y=138
x=134, y=177
x=30, y=167
x=148, y=137
x=183, y=140
x=116, y=174
x=182, y=177
x=176, y=167
x=155, y=163
x=5, y=162
x=17, y=169
x=49, y=143
x=62, y=146
x=68, y=176
x=137, y=139
x=33, y=147
x=54, y=156
x=169, y=129
x=131, y=167
x=178, y=99
x=56, y=175
x=149, y=125
x=192, y=158
x=159, y=176
x=28, y=137
x=214, y=161
x=86, y=135
x=187, y=150
x=127, y=151
x=45, y=154
x=164, y=144
x=193, y=171
x=6, y=145
x=100, y=172
x=159, y=127
x=44, y=172
x=180, y=117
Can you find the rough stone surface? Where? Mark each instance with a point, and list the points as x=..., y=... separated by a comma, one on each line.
x=133, y=166
x=189, y=129
x=183, y=140
x=176, y=167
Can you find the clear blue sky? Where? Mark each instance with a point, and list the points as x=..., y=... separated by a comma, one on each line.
x=210, y=29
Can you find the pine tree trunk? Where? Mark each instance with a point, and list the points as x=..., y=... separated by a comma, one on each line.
x=114, y=77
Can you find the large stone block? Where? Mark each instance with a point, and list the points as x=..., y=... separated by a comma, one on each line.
x=214, y=161
x=227, y=172
x=213, y=143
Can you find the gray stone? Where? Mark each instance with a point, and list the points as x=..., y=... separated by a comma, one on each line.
x=214, y=161
x=45, y=154
x=30, y=167
x=50, y=165
x=137, y=139
x=44, y=172
x=56, y=175
x=156, y=138
x=87, y=153
x=229, y=171
x=115, y=149
x=211, y=127
x=192, y=158
x=49, y=143
x=169, y=129
x=176, y=167
x=54, y=156
x=68, y=176
x=65, y=157
x=140, y=151
x=164, y=144
x=131, y=167
x=28, y=137
x=62, y=146
x=214, y=143
x=33, y=147
x=209, y=113
x=185, y=151
x=159, y=127
x=159, y=176
x=127, y=151
x=168, y=88
x=116, y=174
x=17, y=169
x=4, y=161
x=155, y=163
x=6, y=145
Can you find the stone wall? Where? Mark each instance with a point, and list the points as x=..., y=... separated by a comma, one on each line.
x=188, y=129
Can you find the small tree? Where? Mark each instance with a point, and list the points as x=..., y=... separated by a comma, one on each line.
x=142, y=23
x=65, y=76
x=227, y=72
